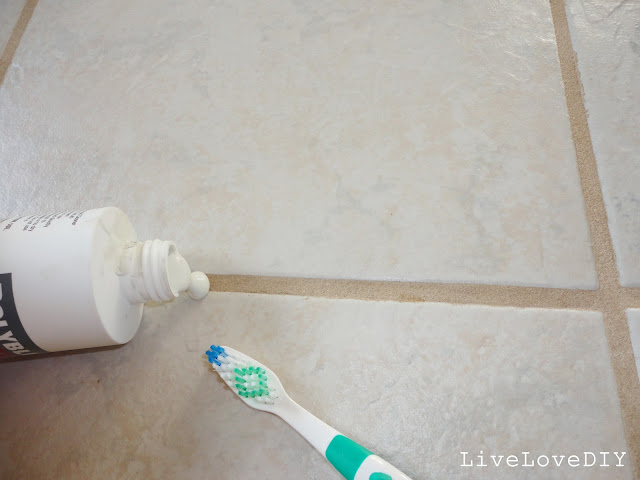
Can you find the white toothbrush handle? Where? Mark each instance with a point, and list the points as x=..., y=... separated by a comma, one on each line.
x=314, y=430
x=352, y=460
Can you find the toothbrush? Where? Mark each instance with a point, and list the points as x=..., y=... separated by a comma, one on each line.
x=261, y=389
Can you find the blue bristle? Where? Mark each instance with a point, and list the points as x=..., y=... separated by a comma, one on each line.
x=214, y=352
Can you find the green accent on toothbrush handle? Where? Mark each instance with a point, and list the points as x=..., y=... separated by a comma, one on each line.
x=346, y=455
x=379, y=476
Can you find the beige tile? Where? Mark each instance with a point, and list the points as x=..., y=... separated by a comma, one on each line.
x=606, y=38
x=10, y=11
x=633, y=317
x=411, y=140
x=416, y=383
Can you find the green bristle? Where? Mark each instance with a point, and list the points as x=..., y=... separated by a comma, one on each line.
x=244, y=375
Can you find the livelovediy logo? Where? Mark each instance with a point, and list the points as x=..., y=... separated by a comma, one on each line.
x=13, y=338
x=532, y=460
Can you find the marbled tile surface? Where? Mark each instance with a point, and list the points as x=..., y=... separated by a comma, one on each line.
x=9, y=13
x=416, y=383
x=606, y=37
x=633, y=316
x=381, y=140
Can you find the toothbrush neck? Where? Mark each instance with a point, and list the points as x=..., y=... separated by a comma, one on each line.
x=314, y=430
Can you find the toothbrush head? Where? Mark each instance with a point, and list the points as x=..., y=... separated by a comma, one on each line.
x=254, y=383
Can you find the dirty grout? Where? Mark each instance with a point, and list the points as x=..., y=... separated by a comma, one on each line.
x=398, y=291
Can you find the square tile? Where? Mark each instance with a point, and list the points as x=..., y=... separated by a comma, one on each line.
x=606, y=38
x=424, y=141
x=633, y=317
x=416, y=383
x=10, y=11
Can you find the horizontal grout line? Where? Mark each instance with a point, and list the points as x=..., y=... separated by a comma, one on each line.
x=473, y=294
x=628, y=297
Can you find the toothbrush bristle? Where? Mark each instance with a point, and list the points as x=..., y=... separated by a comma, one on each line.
x=245, y=379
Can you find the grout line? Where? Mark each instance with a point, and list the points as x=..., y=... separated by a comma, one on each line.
x=472, y=294
x=14, y=40
x=626, y=375
x=613, y=296
x=399, y=291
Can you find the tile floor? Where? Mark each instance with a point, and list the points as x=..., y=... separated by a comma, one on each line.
x=411, y=141
x=396, y=141
x=418, y=383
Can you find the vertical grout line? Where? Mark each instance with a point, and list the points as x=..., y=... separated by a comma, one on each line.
x=14, y=40
x=612, y=295
x=602, y=247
